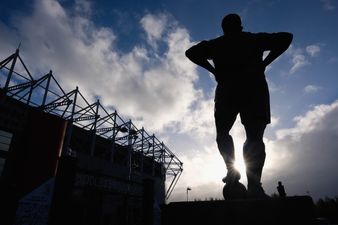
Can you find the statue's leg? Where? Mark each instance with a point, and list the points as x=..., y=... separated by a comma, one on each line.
x=254, y=156
x=224, y=120
x=226, y=148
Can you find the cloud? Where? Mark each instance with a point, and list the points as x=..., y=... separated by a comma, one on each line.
x=154, y=25
x=309, y=150
x=273, y=87
x=83, y=7
x=313, y=50
x=298, y=61
x=200, y=122
x=155, y=88
x=274, y=121
x=299, y=58
x=333, y=59
x=328, y=5
x=311, y=89
x=198, y=193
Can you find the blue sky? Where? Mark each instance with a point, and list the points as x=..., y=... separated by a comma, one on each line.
x=131, y=55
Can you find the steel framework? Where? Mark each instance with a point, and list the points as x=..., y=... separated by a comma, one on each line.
x=47, y=94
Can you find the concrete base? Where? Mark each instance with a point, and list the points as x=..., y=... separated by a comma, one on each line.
x=290, y=210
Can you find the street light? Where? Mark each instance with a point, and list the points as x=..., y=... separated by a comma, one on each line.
x=188, y=189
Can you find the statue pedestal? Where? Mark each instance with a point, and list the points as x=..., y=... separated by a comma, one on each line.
x=290, y=210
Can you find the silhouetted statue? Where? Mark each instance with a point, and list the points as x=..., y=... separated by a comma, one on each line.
x=281, y=189
x=241, y=89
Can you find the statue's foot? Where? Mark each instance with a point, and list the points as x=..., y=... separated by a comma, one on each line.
x=257, y=192
x=232, y=176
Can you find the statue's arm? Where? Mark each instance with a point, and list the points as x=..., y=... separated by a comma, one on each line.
x=197, y=54
x=278, y=44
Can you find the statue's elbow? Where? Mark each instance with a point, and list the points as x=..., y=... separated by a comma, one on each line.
x=285, y=40
x=188, y=53
x=289, y=37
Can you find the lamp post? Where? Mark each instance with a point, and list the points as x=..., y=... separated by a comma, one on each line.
x=188, y=189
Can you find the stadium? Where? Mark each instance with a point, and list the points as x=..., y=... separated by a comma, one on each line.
x=64, y=160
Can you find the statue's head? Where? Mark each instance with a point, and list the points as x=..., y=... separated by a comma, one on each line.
x=232, y=23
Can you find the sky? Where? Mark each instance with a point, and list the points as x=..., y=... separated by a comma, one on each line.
x=130, y=54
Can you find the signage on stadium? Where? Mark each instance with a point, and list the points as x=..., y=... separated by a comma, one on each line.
x=107, y=184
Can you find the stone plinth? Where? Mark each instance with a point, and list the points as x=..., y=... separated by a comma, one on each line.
x=276, y=211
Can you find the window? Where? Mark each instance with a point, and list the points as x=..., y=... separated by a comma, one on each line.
x=5, y=143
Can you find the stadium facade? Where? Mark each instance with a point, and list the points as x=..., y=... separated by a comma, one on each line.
x=64, y=160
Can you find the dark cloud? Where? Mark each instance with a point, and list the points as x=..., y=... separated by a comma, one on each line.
x=309, y=153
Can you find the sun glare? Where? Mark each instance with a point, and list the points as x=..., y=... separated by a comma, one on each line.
x=240, y=166
x=239, y=161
